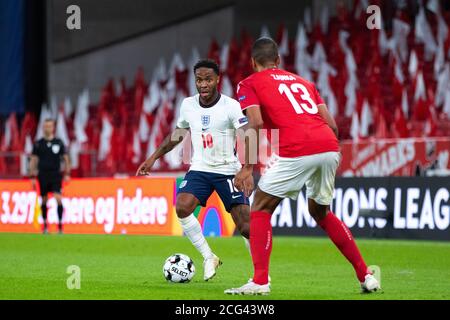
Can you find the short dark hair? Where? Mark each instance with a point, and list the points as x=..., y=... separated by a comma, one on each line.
x=207, y=63
x=265, y=50
x=50, y=120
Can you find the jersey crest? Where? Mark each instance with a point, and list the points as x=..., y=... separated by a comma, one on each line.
x=56, y=148
x=206, y=120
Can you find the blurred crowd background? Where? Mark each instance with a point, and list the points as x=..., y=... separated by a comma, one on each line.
x=115, y=86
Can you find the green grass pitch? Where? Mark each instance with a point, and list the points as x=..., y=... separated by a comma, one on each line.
x=130, y=267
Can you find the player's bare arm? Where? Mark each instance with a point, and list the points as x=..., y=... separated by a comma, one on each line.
x=244, y=178
x=33, y=166
x=323, y=111
x=171, y=141
x=33, y=169
x=67, y=167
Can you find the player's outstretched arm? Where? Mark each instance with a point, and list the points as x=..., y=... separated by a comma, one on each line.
x=171, y=141
x=323, y=111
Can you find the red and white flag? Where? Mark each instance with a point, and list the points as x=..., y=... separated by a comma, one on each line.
x=81, y=117
x=302, y=57
x=420, y=90
x=319, y=56
x=226, y=86
x=413, y=64
x=446, y=108
x=68, y=109
x=424, y=34
x=405, y=104
x=61, y=128
x=28, y=148
x=401, y=30
x=439, y=61
x=45, y=114
x=355, y=127
x=443, y=86
x=195, y=56
x=366, y=119
x=153, y=99
x=224, y=55
x=382, y=130
x=143, y=129
x=104, y=148
x=11, y=136
x=137, y=152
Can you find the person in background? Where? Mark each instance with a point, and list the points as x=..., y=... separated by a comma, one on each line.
x=45, y=165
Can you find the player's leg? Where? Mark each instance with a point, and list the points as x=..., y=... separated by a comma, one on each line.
x=263, y=206
x=185, y=206
x=43, y=186
x=58, y=199
x=283, y=178
x=340, y=235
x=342, y=238
x=56, y=189
x=235, y=202
x=194, y=191
x=320, y=189
x=44, y=212
x=241, y=217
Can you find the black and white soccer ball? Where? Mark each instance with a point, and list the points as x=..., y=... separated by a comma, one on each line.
x=179, y=268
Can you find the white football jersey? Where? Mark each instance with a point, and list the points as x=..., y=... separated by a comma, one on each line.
x=213, y=133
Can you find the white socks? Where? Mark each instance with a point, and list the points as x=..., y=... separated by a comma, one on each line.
x=193, y=231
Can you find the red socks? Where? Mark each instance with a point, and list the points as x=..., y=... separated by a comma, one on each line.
x=342, y=238
x=260, y=245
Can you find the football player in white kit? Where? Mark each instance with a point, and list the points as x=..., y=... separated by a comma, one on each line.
x=212, y=119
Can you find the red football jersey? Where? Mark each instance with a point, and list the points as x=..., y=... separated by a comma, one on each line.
x=289, y=103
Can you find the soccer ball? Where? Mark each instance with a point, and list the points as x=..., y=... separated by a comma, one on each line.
x=179, y=268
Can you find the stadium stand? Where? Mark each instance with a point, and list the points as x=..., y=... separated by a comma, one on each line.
x=391, y=82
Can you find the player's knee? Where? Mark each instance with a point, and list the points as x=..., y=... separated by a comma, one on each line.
x=317, y=212
x=58, y=199
x=183, y=209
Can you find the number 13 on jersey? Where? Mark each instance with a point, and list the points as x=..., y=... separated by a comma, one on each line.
x=307, y=103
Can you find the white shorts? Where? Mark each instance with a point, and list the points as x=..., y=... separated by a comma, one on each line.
x=285, y=177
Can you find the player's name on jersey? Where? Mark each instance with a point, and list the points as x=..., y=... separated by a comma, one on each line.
x=282, y=77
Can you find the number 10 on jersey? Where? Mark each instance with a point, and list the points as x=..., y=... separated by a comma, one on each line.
x=207, y=141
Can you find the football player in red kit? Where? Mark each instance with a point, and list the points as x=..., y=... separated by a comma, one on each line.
x=308, y=154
